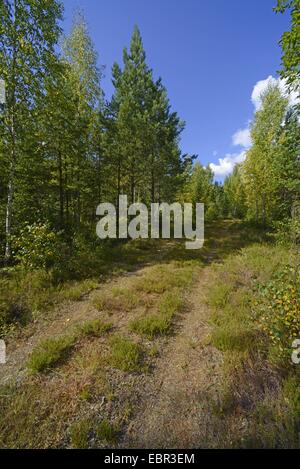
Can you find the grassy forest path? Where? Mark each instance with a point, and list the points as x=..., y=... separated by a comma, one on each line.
x=155, y=390
x=177, y=407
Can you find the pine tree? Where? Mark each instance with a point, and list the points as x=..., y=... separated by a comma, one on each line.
x=144, y=133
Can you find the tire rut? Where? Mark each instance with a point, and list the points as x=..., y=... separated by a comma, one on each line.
x=175, y=407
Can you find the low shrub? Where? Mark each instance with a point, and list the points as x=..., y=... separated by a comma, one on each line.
x=279, y=310
x=287, y=232
x=38, y=246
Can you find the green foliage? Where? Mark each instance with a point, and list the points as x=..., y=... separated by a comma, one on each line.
x=255, y=318
x=279, y=307
x=37, y=247
x=49, y=353
x=199, y=187
x=260, y=170
x=235, y=299
x=28, y=36
x=290, y=43
x=265, y=188
x=287, y=232
x=22, y=294
x=235, y=193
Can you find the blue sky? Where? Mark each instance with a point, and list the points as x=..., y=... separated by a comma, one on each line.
x=210, y=55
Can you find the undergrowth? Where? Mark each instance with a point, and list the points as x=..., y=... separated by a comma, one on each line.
x=255, y=317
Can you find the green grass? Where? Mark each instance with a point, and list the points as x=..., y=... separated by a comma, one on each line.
x=35, y=415
x=125, y=354
x=76, y=290
x=23, y=421
x=165, y=277
x=41, y=412
x=170, y=304
x=275, y=422
x=106, y=431
x=26, y=295
x=94, y=328
x=219, y=295
x=79, y=434
x=54, y=351
x=50, y=353
x=153, y=325
x=234, y=336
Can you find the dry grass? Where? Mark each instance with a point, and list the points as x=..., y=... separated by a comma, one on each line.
x=118, y=299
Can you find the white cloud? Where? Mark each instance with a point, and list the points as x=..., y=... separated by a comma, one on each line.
x=261, y=86
x=242, y=138
x=226, y=164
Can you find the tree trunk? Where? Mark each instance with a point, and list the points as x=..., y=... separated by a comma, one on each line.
x=99, y=177
x=264, y=216
x=152, y=187
x=67, y=196
x=159, y=197
x=256, y=210
x=132, y=189
x=118, y=194
x=10, y=197
x=61, y=191
x=13, y=163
